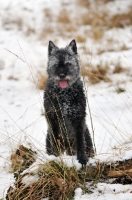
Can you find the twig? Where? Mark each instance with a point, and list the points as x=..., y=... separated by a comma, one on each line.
x=15, y=55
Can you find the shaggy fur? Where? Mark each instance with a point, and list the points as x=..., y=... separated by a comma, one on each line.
x=65, y=105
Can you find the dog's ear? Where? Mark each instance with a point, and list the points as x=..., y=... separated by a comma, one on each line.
x=51, y=48
x=72, y=47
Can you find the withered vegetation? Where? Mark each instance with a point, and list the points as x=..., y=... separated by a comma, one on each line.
x=58, y=182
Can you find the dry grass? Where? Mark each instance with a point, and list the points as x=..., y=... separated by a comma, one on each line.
x=102, y=49
x=42, y=81
x=22, y=158
x=12, y=77
x=83, y=3
x=86, y=3
x=94, y=18
x=56, y=181
x=106, y=1
x=29, y=31
x=19, y=23
x=122, y=20
x=100, y=72
x=80, y=38
x=119, y=69
x=66, y=23
x=45, y=32
x=103, y=19
x=124, y=47
x=70, y=28
x=64, y=17
x=97, y=33
x=48, y=13
x=95, y=15
x=66, y=31
x=9, y=21
x=96, y=74
x=120, y=90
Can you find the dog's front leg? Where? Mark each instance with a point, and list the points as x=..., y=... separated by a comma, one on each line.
x=81, y=154
x=52, y=140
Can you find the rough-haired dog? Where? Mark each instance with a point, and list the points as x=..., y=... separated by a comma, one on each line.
x=65, y=104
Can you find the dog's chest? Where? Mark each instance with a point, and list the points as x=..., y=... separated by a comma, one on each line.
x=69, y=103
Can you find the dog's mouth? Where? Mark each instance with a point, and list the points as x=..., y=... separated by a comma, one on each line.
x=63, y=83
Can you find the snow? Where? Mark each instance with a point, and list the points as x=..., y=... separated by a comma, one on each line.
x=106, y=191
x=24, y=57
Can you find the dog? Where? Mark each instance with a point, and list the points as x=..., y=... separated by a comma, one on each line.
x=65, y=105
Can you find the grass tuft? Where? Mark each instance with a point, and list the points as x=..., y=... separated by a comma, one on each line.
x=96, y=74
x=56, y=181
x=83, y=3
x=46, y=31
x=97, y=34
x=64, y=17
x=42, y=81
x=80, y=38
x=119, y=69
x=22, y=159
x=122, y=20
x=120, y=90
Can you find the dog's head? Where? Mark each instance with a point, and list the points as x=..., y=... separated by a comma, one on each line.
x=63, y=65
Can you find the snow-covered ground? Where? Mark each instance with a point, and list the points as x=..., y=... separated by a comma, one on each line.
x=23, y=56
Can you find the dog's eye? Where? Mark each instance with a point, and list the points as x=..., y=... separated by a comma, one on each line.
x=68, y=64
x=55, y=65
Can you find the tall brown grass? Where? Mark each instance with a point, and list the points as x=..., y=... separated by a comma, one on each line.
x=42, y=78
x=64, y=17
x=96, y=74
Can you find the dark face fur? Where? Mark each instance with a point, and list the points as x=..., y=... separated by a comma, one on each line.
x=63, y=66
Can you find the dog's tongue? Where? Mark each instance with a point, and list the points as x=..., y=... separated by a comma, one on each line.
x=63, y=83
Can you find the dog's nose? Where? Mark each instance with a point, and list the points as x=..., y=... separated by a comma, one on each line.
x=62, y=76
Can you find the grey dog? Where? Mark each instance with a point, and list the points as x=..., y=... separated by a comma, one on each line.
x=65, y=105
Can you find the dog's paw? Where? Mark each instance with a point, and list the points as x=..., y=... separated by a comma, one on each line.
x=83, y=160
